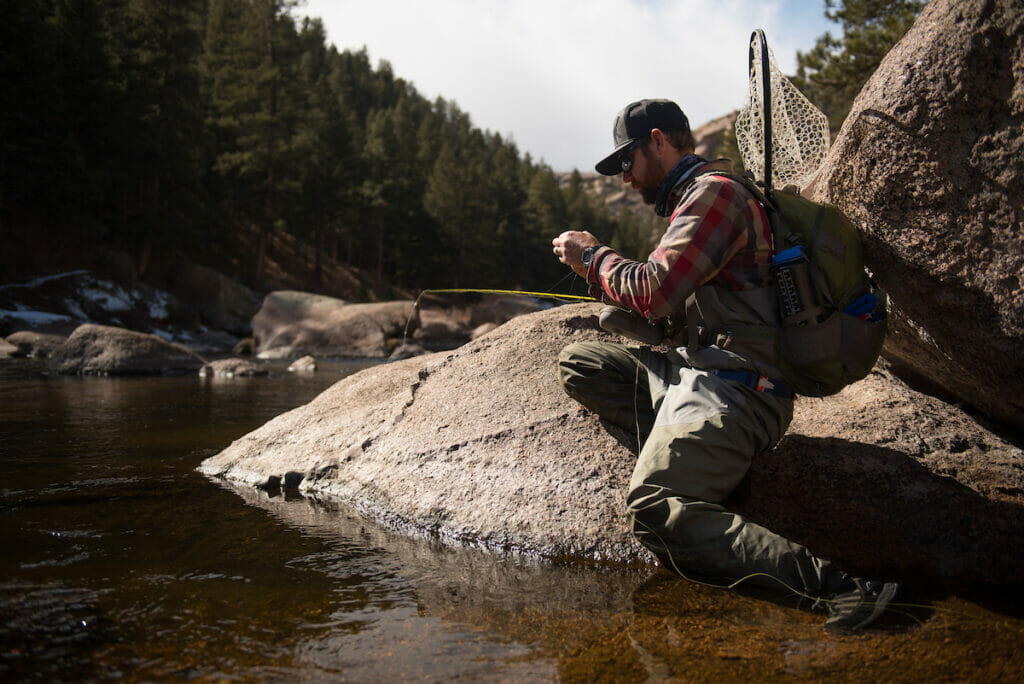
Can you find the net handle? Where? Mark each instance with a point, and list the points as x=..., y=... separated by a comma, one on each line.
x=758, y=38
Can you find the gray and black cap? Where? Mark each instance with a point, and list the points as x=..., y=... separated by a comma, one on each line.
x=635, y=122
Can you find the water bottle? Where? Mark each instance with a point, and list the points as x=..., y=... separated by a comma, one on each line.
x=798, y=302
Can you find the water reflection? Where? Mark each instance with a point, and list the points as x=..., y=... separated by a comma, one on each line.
x=537, y=619
x=121, y=562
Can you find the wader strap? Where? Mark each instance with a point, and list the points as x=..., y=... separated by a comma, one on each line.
x=693, y=321
x=758, y=383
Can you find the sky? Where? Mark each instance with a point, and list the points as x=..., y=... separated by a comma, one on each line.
x=551, y=74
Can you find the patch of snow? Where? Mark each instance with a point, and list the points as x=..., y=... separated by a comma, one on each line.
x=34, y=317
x=158, y=307
x=166, y=336
x=75, y=309
x=111, y=298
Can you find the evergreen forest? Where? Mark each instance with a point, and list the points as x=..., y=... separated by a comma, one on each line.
x=230, y=133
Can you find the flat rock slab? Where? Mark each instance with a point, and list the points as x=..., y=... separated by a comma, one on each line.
x=482, y=445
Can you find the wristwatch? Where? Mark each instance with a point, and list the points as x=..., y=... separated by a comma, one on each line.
x=588, y=256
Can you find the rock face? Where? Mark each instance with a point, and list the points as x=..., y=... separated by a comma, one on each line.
x=706, y=138
x=482, y=444
x=221, y=303
x=292, y=324
x=930, y=162
x=104, y=350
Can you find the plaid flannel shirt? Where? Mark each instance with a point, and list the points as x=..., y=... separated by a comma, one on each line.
x=718, y=233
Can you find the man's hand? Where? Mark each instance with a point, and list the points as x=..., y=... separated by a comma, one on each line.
x=569, y=248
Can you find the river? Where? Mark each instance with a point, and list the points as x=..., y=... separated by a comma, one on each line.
x=121, y=562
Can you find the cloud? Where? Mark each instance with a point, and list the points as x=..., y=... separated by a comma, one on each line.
x=552, y=74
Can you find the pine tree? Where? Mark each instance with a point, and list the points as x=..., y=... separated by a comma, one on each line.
x=834, y=70
x=250, y=59
x=156, y=189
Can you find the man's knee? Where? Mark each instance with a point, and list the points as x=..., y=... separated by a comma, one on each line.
x=577, y=363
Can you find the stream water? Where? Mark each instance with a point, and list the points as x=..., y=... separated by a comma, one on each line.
x=119, y=561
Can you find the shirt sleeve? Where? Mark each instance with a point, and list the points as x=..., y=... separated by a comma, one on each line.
x=706, y=230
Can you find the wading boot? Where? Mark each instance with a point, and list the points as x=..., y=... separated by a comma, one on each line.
x=857, y=608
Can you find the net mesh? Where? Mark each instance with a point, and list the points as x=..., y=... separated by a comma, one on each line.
x=800, y=136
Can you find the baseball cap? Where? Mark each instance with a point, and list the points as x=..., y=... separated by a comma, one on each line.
x=635, y=122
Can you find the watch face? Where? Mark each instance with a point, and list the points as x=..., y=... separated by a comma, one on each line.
x=588, y=254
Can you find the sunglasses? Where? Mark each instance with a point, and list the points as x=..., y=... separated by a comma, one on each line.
x=625, y=158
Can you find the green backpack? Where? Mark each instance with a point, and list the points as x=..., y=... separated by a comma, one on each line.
x=834, y=319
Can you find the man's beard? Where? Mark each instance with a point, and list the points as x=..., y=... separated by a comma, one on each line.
x=648, y=193
x=646, y=186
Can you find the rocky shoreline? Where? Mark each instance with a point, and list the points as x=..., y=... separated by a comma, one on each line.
x=77, y=322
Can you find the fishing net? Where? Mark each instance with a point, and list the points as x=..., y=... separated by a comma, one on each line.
x=799, y=131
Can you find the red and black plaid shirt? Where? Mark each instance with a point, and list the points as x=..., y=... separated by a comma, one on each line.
x=718, y=233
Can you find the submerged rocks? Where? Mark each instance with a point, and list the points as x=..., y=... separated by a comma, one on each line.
x=307, y=364
x=482, y=444
x=930, y=162
x=231, y=368
x=104, y=350
x=292, y=324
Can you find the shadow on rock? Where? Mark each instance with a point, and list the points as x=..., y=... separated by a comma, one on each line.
x=878, y=512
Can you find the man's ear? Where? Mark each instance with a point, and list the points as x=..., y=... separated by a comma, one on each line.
x=657, y=140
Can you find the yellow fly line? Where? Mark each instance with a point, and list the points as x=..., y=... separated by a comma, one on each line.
x=552, y=295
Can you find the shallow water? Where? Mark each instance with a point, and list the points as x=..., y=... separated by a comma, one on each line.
x=121, y=562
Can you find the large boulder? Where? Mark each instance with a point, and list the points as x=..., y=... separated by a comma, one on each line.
x=930, y=162
x=449, y=319
x=221, y=303
x=104, y=350
x=292, y=324
x=482, y=444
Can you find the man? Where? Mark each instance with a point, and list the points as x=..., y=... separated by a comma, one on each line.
x=703, y=410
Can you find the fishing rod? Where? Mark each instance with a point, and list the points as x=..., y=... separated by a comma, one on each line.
x=484, y=290
x=525, y=293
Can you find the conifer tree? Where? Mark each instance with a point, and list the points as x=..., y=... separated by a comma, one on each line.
x=158, y=44
x=835, y=69
x=251, y=63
